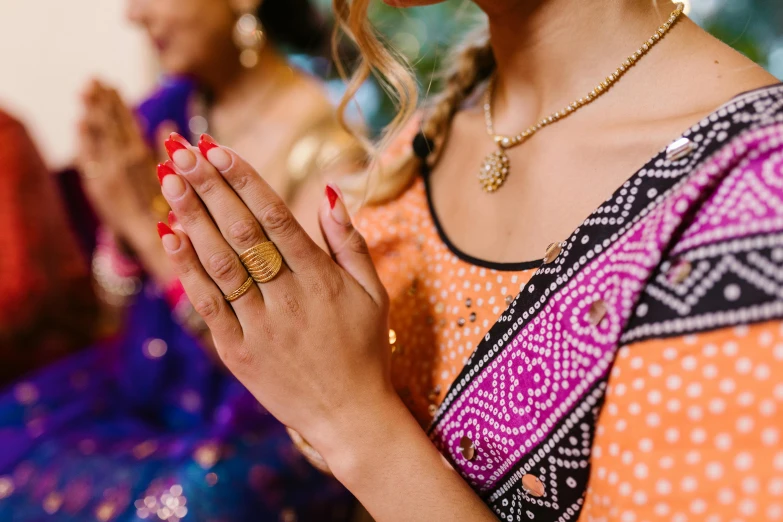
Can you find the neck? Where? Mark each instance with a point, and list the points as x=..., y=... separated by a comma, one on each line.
x=235, y=85
x=549, y=52
x=239, y=94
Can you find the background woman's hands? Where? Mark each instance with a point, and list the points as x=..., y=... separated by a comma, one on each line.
x=117, y=165
x=118, y=173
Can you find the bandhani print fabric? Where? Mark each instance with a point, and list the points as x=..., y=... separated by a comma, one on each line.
x=680, y=273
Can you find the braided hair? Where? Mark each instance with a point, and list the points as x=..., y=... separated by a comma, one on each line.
x=471, y=64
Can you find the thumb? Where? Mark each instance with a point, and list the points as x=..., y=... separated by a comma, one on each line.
x=346, y=245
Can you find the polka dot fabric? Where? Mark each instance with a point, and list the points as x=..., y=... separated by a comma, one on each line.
x=691, y=430
x=695, y=249
x=644, y=298
x=441, y=305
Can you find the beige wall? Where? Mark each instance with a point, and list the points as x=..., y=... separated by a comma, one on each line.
x=50, y=48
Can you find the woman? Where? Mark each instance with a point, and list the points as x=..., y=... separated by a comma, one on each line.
x=637, y=359
x=151, y=425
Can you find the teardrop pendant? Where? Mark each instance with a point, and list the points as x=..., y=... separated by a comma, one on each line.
x=494, y=171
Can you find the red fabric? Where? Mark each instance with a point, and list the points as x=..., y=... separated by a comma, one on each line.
x=46, y=303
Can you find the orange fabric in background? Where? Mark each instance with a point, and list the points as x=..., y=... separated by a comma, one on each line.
x=688, y=427
x=46, y=303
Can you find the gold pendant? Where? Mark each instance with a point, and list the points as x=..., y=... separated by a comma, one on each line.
x=494, y=171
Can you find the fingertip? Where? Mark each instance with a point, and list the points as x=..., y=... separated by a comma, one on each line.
x=218, y=156
x=174, y=143
x=164, y=170
x=164, y=230
x=171, y=241
x=173, y=187
x=338, y=210
x=331, y=195
x=205, y=144
x=179, y=152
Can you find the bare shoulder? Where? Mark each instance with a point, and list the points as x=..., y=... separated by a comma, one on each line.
x=312, y=103
x=715, y=71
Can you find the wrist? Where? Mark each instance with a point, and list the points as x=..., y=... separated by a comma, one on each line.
x=383, y=456
x=357, y=444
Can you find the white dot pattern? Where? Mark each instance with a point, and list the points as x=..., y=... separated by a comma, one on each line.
x=727, y=465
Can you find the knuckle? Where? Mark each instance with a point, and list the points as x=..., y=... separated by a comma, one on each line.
x=245, y=232
x=188, y=213
x=239, y=180
x=269, y=330
x=358, y=244
x=208, y=307
x=224, y=265
x=278, y=220
x=291, y=304
x=185, y=263
x=184, y=267
x=326, y=286
x=243, y=355
x=205, y=185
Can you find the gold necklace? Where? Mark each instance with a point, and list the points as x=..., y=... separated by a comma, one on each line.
x=496, y=166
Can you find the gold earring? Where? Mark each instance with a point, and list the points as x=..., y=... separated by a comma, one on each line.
x=249, y=36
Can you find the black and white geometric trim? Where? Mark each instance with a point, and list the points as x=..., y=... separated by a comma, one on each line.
x=736, y=282
x=632, y=202
x=728, y=281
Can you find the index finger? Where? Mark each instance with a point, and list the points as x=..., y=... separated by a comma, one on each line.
x=279, y=224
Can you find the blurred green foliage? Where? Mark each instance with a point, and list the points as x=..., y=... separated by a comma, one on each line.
x=424, y=35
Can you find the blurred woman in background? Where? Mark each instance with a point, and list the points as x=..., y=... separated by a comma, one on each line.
x=151, y=425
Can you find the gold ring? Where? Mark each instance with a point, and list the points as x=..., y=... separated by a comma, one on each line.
x=239, y=292
x=262, y=261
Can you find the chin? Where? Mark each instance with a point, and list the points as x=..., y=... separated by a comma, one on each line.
x=411, y=3
x=174, y=66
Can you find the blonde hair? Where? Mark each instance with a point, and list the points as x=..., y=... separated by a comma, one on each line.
x=471, y=64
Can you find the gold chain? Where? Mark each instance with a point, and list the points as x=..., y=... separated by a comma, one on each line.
x=496, y=166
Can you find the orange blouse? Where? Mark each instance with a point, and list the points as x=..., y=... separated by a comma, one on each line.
x=687, y=428
x=442, y=303
x=686, y=420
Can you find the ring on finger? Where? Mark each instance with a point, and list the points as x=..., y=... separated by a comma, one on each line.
x=239, y=292
x=263, y=261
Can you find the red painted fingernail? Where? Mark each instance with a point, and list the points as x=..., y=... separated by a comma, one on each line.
x=164, y=230
x=172, y=218
x=332, y=195
x=206, y=143
x=174, y=143
x=163, y=171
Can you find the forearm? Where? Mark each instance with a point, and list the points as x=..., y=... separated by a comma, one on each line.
x=394, y=470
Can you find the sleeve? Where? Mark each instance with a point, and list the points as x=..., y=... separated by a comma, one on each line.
x=691, y=421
